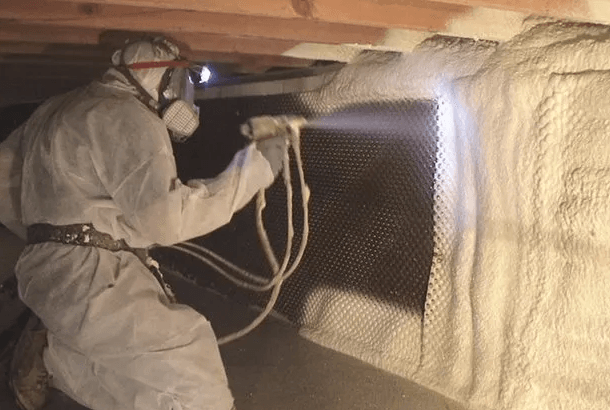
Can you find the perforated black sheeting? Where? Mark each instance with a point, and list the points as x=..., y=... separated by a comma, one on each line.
x=371, y=207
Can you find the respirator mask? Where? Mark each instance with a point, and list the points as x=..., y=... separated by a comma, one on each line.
x=177, y=102
x=176, y=93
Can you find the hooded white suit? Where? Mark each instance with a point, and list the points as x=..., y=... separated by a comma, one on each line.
x=98, y=155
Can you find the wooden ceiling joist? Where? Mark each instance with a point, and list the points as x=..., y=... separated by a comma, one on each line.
x=411, y=14
x=45, y=70
x=69, y=55
x=230, y=44
x=257, y=61
x=555, y=8
x=193, y=41
x=374, y=12
x=32, y=34
x=51, y=49
x=113, y=17
x=249, y=35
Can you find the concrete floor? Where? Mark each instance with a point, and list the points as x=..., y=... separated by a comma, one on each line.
x=273, y=368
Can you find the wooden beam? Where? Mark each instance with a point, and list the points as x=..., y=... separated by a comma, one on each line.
x=45, y=70
x=34, y=34
x=57, y=60
x=63, y=54
x=194, y=41
x=227, y=44
x=553, y=8
x=409, y=14
x=40, y=58
x=115, y=17
x=248, y=60
x=66, y=50
x=35, y=54
x=406, y=14
x=271, y=8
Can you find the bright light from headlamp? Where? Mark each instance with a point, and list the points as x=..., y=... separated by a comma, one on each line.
x=205, y=74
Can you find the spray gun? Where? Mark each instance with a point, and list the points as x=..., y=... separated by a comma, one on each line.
x=266, y=126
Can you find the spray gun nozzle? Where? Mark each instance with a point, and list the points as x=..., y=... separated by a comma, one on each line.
x=266, y=126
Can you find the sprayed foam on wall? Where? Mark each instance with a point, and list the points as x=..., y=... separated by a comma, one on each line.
x=350, y=322
x=419, y=75
x=517, y=313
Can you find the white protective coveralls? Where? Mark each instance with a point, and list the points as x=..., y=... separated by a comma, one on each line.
x=98, y=155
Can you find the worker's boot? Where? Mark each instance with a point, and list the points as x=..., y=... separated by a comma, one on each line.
x=28, y=377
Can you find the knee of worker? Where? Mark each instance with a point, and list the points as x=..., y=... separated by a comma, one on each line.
x=67, y=367
x=223, y=400
x=74, y=374
x=214, y=400
x=142, y=326
x=187, y=364
x=148, y=391
x=129, y=313
x=180, y=380
x=184, y=380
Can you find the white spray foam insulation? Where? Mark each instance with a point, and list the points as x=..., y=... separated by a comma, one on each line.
x=518, y=308
x=354, y=323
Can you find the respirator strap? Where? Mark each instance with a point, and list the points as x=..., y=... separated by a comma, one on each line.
x=143, y=95
x=165, y=80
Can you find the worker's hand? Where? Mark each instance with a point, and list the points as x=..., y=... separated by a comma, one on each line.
x=273, y=149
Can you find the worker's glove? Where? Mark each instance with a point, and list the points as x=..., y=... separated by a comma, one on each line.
x=271, y=135
x=274, y=150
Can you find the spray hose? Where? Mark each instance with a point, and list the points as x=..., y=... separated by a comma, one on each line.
x=257, y=129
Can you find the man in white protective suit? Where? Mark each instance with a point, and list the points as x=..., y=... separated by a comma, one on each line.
x=92, y=178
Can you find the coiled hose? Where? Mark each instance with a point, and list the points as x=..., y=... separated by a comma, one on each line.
x=250, y=281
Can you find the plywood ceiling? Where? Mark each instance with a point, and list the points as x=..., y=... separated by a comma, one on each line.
x=46, y=46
